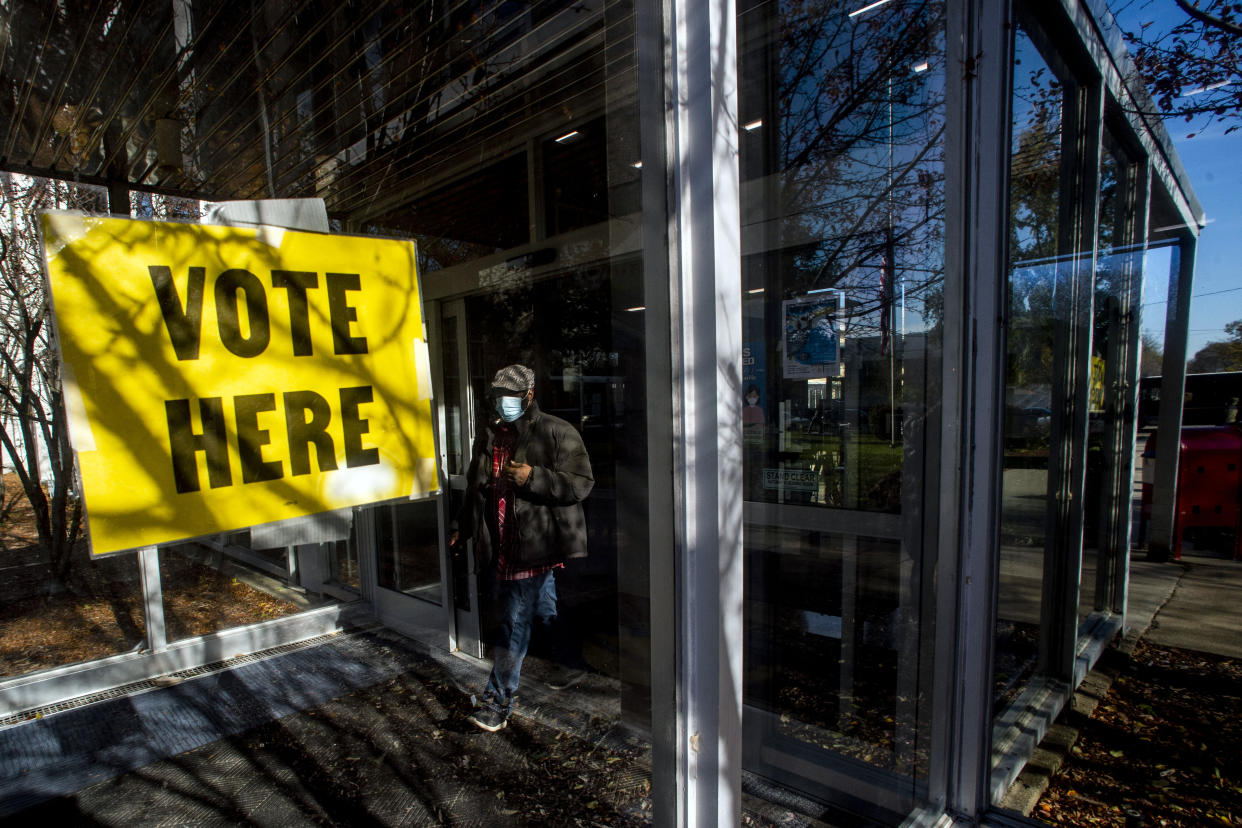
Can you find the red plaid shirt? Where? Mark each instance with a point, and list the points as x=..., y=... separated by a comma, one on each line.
x=504, y=495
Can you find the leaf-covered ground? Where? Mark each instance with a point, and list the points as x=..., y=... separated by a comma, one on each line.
x=1165, y=744
x=100, y=612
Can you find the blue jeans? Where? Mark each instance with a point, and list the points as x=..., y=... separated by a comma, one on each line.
x=518, y=605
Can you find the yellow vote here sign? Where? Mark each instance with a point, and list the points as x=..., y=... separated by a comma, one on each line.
x=219, y=377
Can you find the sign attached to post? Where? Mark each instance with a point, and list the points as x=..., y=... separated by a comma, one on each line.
x=218, y=378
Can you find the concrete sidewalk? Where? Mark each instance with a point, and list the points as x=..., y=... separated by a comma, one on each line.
x=366, y=728
x=1194, y=604
x=1203, y=611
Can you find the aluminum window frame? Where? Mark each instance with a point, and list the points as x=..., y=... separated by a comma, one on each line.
x=1112, y=565
x=978, y=152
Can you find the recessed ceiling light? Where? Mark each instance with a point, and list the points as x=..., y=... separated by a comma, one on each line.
x=868, y=8
x=1200, y=90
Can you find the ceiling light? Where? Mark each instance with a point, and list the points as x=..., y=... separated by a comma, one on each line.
x=755, y=290
x=638, y=165
x=921, y=67
x=567, y=137
x=868, y=7
x=753, y=125
x=637, y=308
x=1209, y=88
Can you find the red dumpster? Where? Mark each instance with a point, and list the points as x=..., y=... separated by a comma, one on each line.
x=1209, y=482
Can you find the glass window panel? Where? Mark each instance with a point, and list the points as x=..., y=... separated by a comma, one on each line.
x=448, y=232
x=72, y=608
x=523, y=144
x=209, y=587
x=842, y=120
x=575, y=178
x=409, y=549
x=43, y=624
x=437, y=123
x=344, y=564
x=1036, y=299
x=451, y=375
x=1157, y=268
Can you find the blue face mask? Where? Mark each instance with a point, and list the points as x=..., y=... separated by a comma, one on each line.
x=510, y=408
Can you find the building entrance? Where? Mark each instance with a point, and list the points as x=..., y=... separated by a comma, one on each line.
x=580, y=329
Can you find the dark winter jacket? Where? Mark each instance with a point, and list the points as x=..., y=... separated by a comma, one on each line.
x=548, y=510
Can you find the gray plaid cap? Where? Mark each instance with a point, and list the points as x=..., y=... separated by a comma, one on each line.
x=516, y=378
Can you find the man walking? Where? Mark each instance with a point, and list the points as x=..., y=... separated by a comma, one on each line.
x=529, y=473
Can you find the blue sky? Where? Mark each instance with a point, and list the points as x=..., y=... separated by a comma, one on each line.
x=1213, y=162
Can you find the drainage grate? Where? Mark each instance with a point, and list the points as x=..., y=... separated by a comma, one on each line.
x=151, y=684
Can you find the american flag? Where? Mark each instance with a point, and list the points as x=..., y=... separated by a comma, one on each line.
x=886, y=302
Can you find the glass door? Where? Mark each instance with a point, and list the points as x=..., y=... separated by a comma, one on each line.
x=572, y=329
x=580, y=328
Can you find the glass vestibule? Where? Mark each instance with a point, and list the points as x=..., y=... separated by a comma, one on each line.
x=1072, y=286
x=842, y=116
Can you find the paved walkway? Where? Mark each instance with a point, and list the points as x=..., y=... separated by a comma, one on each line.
x=1204, y=609
x=368, y=728
x=1194, y=603
x=66, y=752
x=364, y=729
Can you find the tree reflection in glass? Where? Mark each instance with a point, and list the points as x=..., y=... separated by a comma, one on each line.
x=841, y=128
x=1035, y=297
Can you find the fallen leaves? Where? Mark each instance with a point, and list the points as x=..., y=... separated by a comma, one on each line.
x=104, y=615
x=1162, y=744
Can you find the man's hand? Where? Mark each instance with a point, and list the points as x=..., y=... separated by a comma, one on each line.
x=519, y=473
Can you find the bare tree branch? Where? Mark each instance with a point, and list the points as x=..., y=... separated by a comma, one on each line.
x=31, y=403
x=1226, y=26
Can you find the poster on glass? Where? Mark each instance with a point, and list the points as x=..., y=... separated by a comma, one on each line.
x=811, y=341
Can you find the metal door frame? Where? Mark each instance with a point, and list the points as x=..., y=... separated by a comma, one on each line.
x=464, y=625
